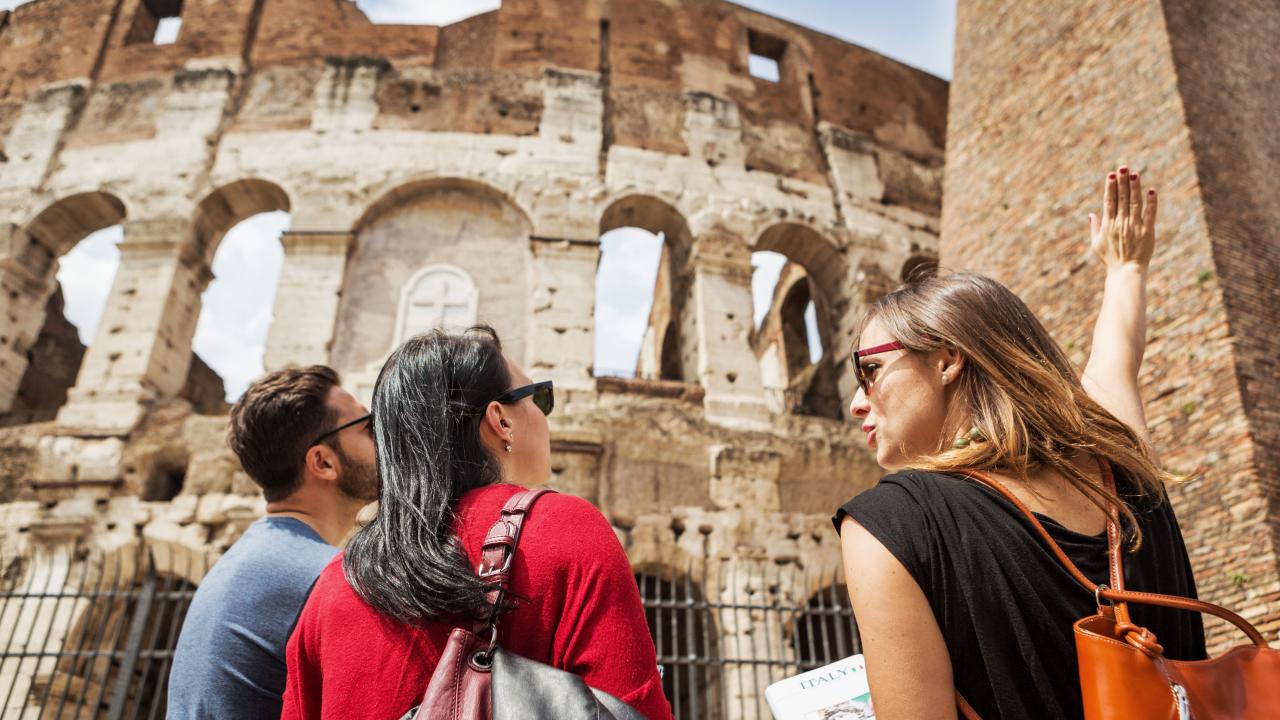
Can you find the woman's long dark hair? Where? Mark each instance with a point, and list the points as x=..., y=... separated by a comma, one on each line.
x=427, y=408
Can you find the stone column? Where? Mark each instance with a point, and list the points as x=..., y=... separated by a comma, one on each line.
x=721, y=311
x=748, y=633
x=306, y=310
x=562, y=343
x=40, y=625
x=142, y=349
x=24, y=293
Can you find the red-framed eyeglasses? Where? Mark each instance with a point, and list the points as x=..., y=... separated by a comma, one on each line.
x=864, y=377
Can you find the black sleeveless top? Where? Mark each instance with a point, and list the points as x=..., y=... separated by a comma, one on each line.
x=1003, y=601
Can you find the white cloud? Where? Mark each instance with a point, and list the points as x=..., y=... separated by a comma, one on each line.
x=624, y=295
x=418, y=12
x=766, y=268
x=236, y=309
x=86, y=274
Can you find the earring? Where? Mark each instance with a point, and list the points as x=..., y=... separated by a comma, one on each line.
x=507, y=447
x=962, y=441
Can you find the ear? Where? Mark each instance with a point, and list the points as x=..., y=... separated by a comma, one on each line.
x=950, y=362
x=322, y=463
x=495, y=424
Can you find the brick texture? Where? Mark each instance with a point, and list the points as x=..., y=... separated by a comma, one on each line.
x=1045, y=98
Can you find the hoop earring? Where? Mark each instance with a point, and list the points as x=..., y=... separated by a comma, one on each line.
x=973, y=436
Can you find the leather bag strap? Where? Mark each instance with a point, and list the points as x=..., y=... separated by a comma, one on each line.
x=499, y=550
x=1118, y=594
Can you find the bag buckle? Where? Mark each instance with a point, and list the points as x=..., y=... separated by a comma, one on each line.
x=1097, y=596
x=488, y=572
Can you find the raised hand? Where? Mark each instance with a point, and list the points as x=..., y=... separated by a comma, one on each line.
x=1126, y=232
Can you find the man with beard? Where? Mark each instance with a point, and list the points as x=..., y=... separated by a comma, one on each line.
x=309, y=445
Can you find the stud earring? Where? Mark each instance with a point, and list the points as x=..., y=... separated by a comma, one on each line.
x=507, y=447
x=963, y=441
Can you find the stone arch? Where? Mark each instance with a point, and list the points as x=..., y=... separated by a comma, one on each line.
x=475, y=228
x=685, y=638
x=815, y=272
x=668, y=348
x=409, y=190
x=32, y=319
x=227, y=205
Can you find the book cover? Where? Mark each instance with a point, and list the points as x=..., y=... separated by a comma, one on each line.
x=838, y=691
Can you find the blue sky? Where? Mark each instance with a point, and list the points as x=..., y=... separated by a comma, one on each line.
x=231, y=334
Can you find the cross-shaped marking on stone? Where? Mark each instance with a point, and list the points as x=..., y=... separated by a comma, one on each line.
x=438, y=303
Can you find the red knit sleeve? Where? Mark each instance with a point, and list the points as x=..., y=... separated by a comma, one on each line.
x=601, y=635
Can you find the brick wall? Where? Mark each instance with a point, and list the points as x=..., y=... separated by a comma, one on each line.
x=1047, y=97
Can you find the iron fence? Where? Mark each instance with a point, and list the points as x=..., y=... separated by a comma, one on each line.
x=93, y=637
x=725, y=631
x=88, y=637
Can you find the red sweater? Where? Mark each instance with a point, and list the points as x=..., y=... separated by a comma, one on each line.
x=346, y=660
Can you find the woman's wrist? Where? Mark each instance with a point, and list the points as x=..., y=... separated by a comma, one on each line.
x=1127, y=268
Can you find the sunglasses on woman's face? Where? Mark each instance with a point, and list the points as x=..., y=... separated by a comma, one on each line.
x=866, y=373
x=541, y=392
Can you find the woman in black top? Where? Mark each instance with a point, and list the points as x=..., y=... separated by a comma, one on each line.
x=951, y=589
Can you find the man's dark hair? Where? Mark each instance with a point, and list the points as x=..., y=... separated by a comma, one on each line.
x=274, y=423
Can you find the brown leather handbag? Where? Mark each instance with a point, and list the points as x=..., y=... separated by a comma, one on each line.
x=1123, y=671
x=477, y=680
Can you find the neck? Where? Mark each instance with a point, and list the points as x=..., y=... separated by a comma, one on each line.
x=333, y=521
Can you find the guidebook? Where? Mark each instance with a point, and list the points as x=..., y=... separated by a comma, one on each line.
x=838, y=691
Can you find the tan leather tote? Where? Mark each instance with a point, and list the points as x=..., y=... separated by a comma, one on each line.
x=1123, y=671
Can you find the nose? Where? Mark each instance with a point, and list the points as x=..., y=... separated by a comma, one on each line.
x=859, y=407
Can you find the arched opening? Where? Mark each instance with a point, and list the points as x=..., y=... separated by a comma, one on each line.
x=236, y=311
x=684, y=633
x=794, y=307
x=824, y=630
x=642, y=286
x=61, y=267
x=469, y=236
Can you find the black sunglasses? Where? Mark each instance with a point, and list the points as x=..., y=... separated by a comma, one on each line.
x=543, y=396
x=340, y=428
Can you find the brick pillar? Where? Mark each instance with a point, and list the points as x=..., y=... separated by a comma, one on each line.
x=747, y=634
x=721, y=312
x=1142, y=83
x=142, y=350
x=563, y=339
x=24, y=293
x=306, y=310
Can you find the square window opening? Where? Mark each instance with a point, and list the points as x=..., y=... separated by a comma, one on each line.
x=764, y=59
x=167, y=31
x=156, y=22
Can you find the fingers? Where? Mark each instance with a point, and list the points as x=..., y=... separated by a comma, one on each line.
x=1122, y=202
x=1149, y=212
x=1109, y=194
x=1135, y=197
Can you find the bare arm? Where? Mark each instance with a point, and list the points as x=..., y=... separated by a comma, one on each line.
x=1124, y=238
x=907, y=660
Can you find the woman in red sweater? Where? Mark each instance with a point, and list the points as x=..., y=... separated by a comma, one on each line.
x=460, y=429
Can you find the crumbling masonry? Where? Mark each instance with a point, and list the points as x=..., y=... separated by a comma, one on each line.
x=491, y=154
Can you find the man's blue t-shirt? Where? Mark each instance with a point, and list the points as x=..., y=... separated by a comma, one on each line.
x=229, y=662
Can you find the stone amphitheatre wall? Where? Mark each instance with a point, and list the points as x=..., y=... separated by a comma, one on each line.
x=500, y=149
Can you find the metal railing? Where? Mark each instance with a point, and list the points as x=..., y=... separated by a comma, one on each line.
x=723, y=638
x=94, y=637
x=88, y=637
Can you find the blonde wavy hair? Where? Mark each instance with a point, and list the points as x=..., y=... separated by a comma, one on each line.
x=1018, y=387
